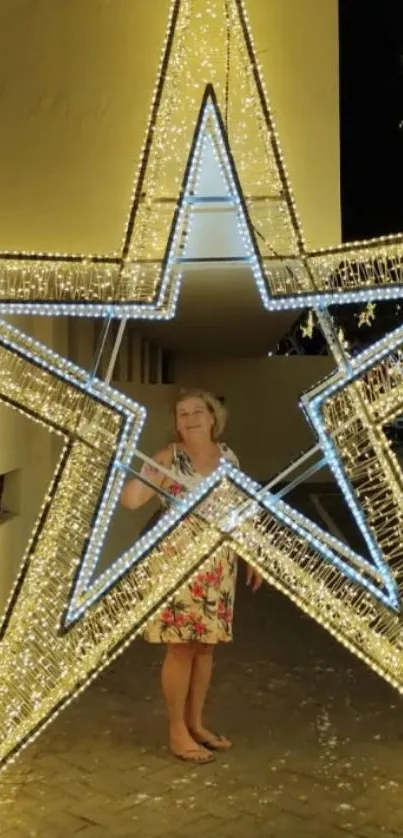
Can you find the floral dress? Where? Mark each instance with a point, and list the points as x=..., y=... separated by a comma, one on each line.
x=202, y=611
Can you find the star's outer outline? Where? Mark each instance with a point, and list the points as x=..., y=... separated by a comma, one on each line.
x=238, y=534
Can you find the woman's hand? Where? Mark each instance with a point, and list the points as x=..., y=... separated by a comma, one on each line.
x=150, y=472
x=136, y=493
x=253, y=578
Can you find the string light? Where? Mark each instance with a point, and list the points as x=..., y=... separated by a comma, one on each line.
x=139, y=281
x=61, y=626
x=130, y=281
x=366, y=271
x=45, y=657
x=367, y=315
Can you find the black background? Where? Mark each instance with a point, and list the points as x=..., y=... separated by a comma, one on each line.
x=371, y=109
x=371, y=154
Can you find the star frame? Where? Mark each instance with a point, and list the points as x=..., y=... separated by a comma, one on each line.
x=78, y=625
x=60, y=658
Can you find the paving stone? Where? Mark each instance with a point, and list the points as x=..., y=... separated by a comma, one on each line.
x=92, y=831
x=317, y=747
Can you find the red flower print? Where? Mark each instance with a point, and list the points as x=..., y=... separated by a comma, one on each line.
x=196, y=590
x=222, y=608
x=175, y=489
x=213, y=579
x=219, y=571
x=192, y=618
x=180, y=620
x=199, y=627
x=168, y=616
x=228, y=615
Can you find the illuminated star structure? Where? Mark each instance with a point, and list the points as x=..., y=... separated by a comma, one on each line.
x=64, y=623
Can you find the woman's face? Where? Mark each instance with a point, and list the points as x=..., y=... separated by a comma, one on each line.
x=193, y=419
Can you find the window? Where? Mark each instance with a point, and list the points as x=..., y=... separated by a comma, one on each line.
x=156, y=364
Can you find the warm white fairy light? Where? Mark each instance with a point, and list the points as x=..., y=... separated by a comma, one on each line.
x=338, y=588
x=41, y=664
x=52, y=665
x=134, y=281
x=366, y=460
x=62, y=626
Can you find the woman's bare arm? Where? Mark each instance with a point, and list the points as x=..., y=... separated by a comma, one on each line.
x=135, y=493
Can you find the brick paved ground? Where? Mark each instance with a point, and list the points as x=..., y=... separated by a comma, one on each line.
x=318, y=747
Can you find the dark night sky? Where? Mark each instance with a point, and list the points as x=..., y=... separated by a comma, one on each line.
x=371, y=108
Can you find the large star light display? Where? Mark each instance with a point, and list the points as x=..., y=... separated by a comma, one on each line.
x=64, y=622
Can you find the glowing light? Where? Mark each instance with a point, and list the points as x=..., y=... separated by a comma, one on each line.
x=62, y=627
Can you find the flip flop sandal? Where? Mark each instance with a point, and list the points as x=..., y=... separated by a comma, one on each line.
x=214, y=746
x=194, y=756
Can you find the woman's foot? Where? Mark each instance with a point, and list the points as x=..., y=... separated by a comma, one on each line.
x=209, y=740
x=184, y=746
x=197, y=756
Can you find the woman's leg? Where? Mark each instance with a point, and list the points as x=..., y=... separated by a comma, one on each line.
x=202, y=668
x=176, y=676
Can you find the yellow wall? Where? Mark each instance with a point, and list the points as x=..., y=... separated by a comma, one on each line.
x=77, y=79
x=297, y=43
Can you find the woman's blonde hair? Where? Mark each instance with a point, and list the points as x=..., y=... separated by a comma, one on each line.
x=213, y=404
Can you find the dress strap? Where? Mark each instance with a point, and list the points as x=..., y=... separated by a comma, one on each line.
x=228, y=454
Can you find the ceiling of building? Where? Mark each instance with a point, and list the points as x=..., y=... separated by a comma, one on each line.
x=220, y=311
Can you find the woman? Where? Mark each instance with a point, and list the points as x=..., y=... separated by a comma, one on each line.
x=199, y=617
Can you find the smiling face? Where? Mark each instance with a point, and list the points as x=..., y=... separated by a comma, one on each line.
x=194, y=419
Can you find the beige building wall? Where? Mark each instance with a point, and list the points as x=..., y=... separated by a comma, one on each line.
x=266, y=427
